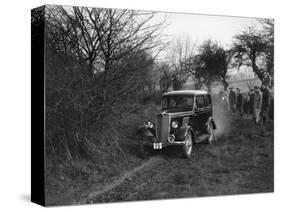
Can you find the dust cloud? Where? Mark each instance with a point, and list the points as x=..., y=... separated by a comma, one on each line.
x=222, y=117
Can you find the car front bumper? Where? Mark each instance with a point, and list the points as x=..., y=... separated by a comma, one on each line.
x=163, y=144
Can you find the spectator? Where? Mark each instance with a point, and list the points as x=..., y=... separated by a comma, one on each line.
x=265, y=103
x=226, y=98
x=267, y=80
x=232, y=99
x=257, y=105
x=239, y=102
x=251, y=103
x=271, y=109
x=246, y=105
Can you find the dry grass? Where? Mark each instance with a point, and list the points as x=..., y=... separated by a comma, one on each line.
x=114, y=153
x=239, y=162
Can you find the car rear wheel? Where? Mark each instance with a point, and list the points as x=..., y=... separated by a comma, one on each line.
x=188, y=144
x=211, y=137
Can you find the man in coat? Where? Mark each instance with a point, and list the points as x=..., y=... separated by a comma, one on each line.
x=246, y=104
x=265, y=103
x=239, y=102
x=251, y=102
x=232, y=99
x=225, y=98
x=257, y=105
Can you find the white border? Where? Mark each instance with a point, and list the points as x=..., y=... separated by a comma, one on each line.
x=15, y=104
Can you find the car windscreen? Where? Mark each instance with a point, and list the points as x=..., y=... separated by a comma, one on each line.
x=178, y=102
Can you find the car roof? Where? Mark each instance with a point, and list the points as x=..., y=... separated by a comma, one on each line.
x=187, y=92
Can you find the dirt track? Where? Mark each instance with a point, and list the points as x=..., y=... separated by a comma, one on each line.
x=147, y=165
x=241, y=161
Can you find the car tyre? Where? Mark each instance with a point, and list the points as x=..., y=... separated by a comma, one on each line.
x=211, y=137
x=188, y=144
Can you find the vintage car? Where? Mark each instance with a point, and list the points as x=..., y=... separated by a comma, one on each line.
x=186, y=118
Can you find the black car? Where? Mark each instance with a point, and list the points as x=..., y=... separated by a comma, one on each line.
x=186, y=118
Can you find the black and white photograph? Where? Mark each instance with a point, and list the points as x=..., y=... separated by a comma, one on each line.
x=153, y=105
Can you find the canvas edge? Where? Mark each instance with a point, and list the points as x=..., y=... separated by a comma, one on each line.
x=38, y=108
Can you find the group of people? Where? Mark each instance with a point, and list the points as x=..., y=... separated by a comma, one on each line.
x=255, y=103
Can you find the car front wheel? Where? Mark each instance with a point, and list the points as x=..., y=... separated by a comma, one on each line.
x=188, y=145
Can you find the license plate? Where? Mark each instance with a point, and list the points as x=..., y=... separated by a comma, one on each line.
x=157, y=145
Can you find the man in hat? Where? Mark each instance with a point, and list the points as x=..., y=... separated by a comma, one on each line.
x=265, y=103
x=225, y=98
x=232, y=99
x=251, y=102
x=239, y=102
x=257, y=105
x=246, y=104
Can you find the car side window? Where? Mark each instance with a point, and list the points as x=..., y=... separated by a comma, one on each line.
x=188, y=102
x=173, y=102
x=200, y=101
x=206, y=101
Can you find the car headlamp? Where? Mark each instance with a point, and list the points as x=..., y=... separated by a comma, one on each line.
x=171, y=138
x=149, y=124
x=175, y=124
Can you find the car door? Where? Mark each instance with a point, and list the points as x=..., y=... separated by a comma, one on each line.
x=199, y=115
x=207, y=111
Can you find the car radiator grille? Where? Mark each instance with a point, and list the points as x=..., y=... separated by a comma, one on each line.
x=162, y=127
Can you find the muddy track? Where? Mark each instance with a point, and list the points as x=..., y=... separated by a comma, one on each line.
x=163, y=169
x=148, y=164
x=241, y=156
x=239, y=162
x=231, y=166
x=157, y=166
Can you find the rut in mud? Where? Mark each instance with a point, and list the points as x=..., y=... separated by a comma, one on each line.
x=127, y=176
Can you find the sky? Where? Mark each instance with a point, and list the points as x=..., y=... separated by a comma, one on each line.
x=199, y=28
x=203, y=27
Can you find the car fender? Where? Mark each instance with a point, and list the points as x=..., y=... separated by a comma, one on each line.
x=211, y=119
x=181, y=132
x=144, y=131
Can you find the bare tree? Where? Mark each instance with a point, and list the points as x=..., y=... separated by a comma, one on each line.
x=250, y=48
x=122, y=32
x=268, y=33
x=180, y=58
x=97, y=58
x=225, y=59
x=165, y=76
x=73, y=35
x=102, y=38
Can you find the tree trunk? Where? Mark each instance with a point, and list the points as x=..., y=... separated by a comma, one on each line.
x=256, y=70
x=208, y=84
x=90, y=69
x=106, y=67
x=224, y=83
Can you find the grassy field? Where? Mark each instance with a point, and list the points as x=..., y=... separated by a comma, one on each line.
x=239, y=162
